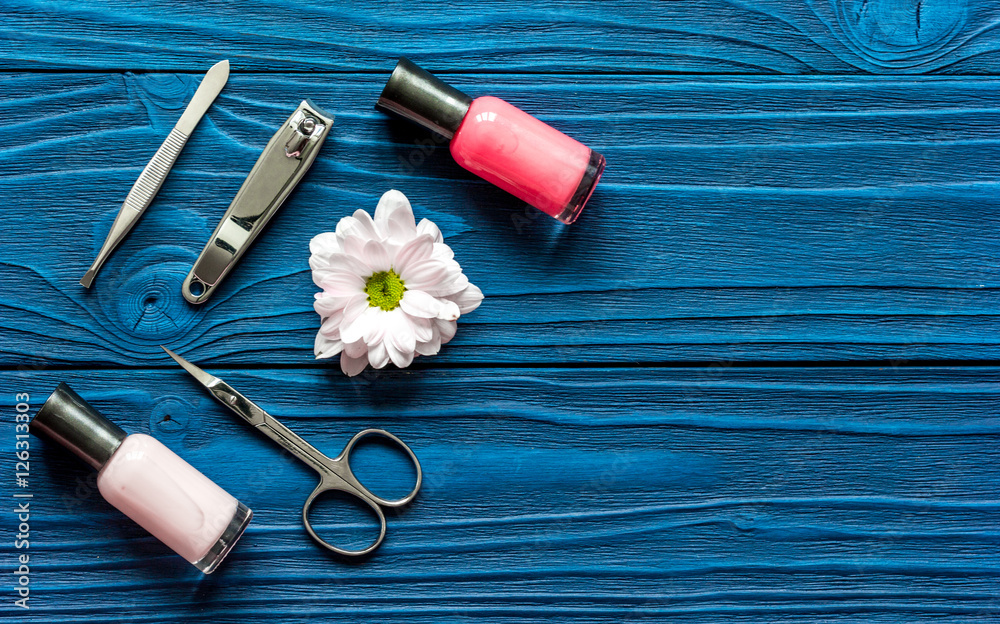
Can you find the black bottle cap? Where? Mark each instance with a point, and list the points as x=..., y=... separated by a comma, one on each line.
x=69, y=420
x=418, y=96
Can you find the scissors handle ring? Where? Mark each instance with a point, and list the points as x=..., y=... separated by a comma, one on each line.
x=325, y=487
x=345, y=458
x=345, y=481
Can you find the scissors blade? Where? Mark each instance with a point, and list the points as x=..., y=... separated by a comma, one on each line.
x=153, y=176
x=223, y=392
x=256, y=416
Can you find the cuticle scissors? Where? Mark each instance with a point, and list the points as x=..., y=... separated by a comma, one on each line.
x=334, y=473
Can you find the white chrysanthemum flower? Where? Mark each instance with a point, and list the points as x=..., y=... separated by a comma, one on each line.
x=391, y=288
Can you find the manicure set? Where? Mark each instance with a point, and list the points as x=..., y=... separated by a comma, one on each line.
x=144, y=479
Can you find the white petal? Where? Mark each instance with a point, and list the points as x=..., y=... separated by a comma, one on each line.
x=420, y=304
x=324, y=244
x=376, y=257
x=468, y=299
x=424, y=275
x=423, y=329
x=331, y=325
x=353, y=246
x=355, y=307
x=428, y=227
x=325, y=347
x=366, y=223
x=356, y=349
x=450, y=285
x=447, y=329
x=352, y=226
x=327, y=303
x=443, y=252
x=378, y=355
x=402, y=359
x=399, y=232
x=375, y=332
x=350, y=324
x=347, y=264
x=432, y=346
x=352, y=366
x=393, y=206
x=354, y=331
x=339, y=282
x=317, y=271
x=449, y=311
x=339, y=314
x=399, y=332
x=414, y=250
x=348, y=226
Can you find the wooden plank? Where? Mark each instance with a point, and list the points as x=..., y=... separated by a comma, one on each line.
x=694, y=36
x=599, y=495
x=764, y=219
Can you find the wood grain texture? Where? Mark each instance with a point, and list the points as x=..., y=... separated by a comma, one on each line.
x=699, y=36
x=601, y=495
x=772, y=219
x=581, y=463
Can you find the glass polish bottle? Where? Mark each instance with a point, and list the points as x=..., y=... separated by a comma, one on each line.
x=146, y=481
x=498, y=142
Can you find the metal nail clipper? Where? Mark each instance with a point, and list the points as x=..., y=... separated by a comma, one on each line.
x=152, y=177
x=287, y=157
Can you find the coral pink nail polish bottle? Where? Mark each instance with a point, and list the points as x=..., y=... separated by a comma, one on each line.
x=499, y=142
x=146, y=481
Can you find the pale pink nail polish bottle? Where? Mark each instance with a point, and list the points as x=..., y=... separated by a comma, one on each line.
x=147, y=481
x=499, y=142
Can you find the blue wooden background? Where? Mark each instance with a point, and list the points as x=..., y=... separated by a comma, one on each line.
x=757, y=381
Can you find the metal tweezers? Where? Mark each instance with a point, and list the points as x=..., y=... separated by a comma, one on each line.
x=152, y=177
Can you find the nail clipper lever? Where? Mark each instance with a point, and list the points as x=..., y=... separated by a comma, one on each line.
x=287, y=157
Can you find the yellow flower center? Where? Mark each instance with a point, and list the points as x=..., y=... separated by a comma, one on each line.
x=384, y=290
